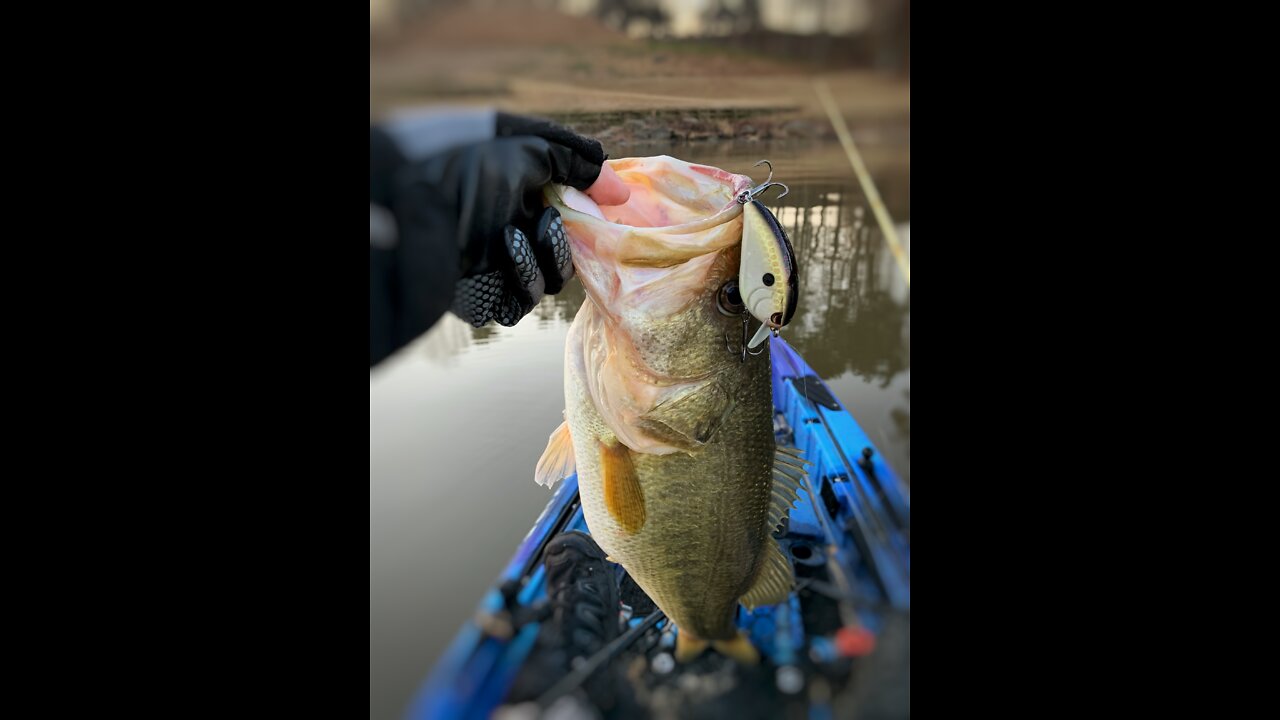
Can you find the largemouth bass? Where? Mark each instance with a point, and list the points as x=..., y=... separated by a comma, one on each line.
x=668, y=421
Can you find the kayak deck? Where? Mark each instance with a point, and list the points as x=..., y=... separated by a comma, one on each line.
x=840, y=641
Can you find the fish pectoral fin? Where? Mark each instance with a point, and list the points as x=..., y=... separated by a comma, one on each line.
x=688, y=647
x=739, y=648
x=689, y=419
x=557, y=461
x=774, y=582
x=623, y=496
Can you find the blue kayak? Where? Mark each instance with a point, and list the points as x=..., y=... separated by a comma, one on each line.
x=838, y=646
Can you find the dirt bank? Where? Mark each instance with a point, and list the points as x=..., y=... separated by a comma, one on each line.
x=624, y=89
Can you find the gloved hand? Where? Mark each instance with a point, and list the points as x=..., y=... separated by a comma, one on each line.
x=465, y=193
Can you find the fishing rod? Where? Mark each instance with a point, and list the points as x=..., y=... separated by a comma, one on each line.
x=570, y=682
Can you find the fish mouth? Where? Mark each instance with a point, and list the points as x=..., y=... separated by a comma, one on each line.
x=651, y=255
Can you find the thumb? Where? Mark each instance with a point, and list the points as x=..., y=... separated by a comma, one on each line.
x=608, y=189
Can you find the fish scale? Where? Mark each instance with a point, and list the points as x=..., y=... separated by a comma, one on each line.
x=706, y=512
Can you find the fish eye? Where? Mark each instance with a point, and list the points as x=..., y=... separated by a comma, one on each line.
x=768, y=279
x=729, y=299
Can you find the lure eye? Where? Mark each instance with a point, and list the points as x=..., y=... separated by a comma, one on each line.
x=767, y=279
x=729, y=299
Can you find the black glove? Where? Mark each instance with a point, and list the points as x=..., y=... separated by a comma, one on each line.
x=525, y=271
x=512, y=250
x=471, y=233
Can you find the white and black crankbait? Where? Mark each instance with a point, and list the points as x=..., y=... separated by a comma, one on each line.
x=767, y=277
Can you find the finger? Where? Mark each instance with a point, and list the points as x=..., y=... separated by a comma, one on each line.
x=505, y=295
x=526, y=283
x=477, y=299
x=589, y=149
x=509, y=311
x=551, y=247
x=609, y=189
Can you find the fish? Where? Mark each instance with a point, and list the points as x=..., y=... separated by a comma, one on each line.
x=667, y=424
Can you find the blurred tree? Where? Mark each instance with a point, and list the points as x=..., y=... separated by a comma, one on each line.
x=890, y=34
x=749, y=18
x=731, y=17
x=644, y=16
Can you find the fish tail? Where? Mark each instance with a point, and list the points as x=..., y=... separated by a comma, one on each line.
x=688, y=646
x=739, y=648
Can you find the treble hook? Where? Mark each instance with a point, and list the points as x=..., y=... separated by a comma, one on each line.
x=756, y=191
x=746, y=337
x=766, y=162
x=752, y=193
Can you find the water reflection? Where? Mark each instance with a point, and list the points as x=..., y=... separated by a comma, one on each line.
x=902, y=421
x=560, y=308
x=447, y=341
x=849, y=319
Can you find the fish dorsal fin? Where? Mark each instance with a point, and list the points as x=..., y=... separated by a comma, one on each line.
x=557, y=461
x=774, y=582
x=788, y=481
x=623, y=496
